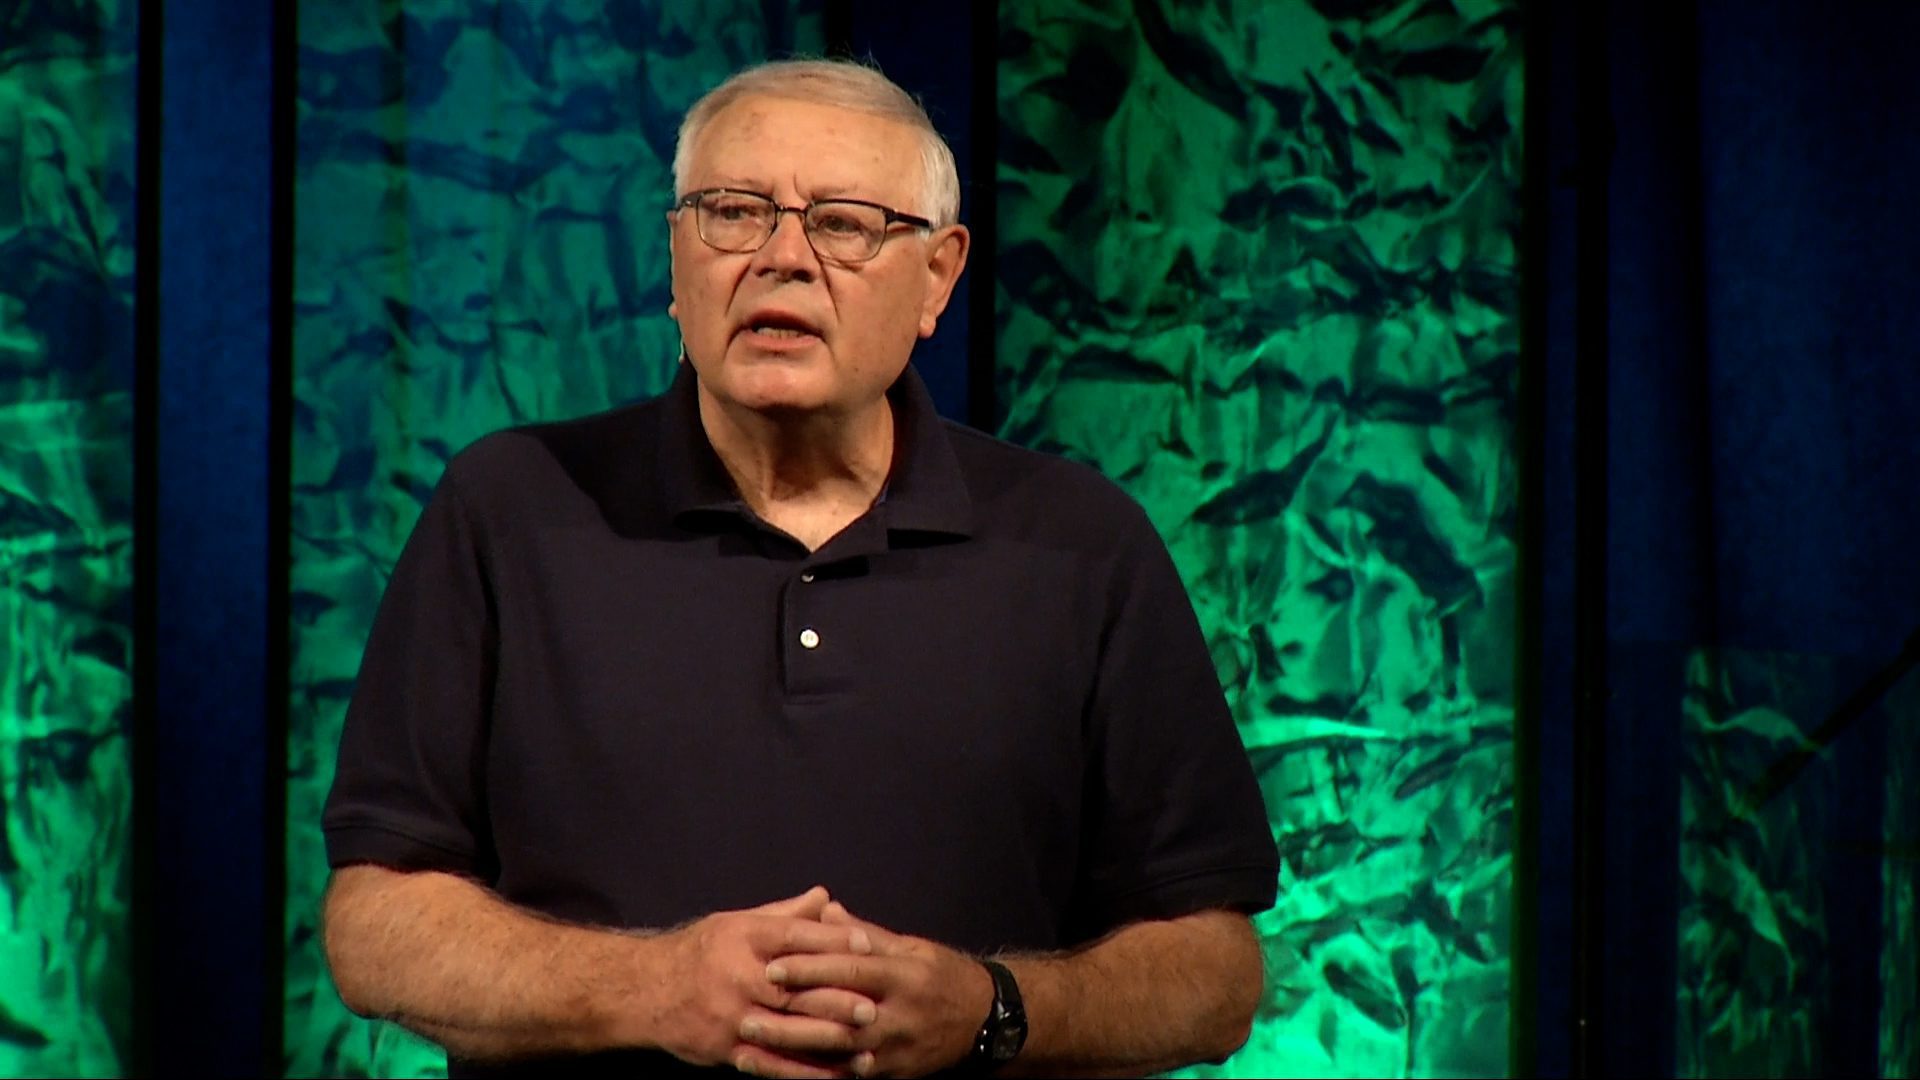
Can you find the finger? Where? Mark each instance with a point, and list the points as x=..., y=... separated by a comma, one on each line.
x=833, y=1003
x=885, y=942
x=767, y=990
x=778, y=938
x=785, y=1033
x=807, y=905
x=758, y=1061
x=871, y=976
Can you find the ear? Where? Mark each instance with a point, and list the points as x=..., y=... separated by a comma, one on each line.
x=673, y=283
x=946, y=258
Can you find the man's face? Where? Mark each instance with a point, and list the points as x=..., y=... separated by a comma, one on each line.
x=857, y=323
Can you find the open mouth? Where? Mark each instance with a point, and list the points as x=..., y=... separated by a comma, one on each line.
x=780, y=325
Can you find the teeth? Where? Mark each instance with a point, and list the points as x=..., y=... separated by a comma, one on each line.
x=780, y=331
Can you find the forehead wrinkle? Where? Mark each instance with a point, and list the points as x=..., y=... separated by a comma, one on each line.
x=852, y=142
x=825, y=191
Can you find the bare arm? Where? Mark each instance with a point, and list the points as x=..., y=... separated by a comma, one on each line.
x=442, y=955
x=1148, y=997
x=490, y=981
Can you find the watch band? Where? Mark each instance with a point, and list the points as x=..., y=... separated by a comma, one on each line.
x=1004, y=1031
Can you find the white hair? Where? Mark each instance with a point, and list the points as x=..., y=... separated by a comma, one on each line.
x=843, y=84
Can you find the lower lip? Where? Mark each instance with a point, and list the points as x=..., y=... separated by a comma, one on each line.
x=779, y=342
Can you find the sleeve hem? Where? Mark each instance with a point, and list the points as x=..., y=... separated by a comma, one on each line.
x=1248, y=887
x=378, y=842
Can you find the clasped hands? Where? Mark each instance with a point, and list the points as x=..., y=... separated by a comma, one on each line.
x=801, y=987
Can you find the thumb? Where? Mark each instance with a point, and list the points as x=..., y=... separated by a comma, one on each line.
x=808, y=905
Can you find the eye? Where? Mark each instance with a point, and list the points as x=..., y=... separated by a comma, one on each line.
x=733, y=208
x=841, y=221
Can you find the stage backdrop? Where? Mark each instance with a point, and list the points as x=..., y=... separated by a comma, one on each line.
x=1257, y=262
x=480, y=242
x=1761, y=394
x=67, y=122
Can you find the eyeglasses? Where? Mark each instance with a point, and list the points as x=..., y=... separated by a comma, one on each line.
x=843, y=230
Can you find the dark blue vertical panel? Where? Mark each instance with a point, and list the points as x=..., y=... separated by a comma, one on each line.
x=1659, y=454
x=212, y=570
x=1813, y=259
x=1660, y=574
x=1552, y=366
x=1641, y=884
x=928, y=50
x=1764, y=393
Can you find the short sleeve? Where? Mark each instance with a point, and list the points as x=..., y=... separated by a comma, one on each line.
x=408, y=790
x=1174, y=819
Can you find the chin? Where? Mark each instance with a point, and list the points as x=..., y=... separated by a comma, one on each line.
x=787, y=411
x=775, y=393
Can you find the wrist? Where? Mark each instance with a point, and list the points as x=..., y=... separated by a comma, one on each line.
x=630, y=1010
x=1003, y=1033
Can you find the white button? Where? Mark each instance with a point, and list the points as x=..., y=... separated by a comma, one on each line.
x=807, y=576
x=809, y=639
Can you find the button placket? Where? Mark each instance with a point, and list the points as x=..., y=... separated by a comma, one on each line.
x=805, y=647
x=809, y=637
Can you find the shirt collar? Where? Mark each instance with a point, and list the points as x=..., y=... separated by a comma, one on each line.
x=925, y=490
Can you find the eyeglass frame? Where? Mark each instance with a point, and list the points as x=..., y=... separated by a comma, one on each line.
x=691, y=200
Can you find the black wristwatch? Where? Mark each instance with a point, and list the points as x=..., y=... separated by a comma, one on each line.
x=1005, y=1029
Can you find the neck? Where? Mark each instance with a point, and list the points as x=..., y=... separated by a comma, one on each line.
x=802, y=461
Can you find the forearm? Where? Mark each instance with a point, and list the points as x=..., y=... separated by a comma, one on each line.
x=445, y=957
x=1150, y=997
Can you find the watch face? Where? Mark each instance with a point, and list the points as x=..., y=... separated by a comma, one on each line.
x=1006, y=1042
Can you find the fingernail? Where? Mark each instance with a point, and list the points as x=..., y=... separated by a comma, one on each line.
x=750, y=1029
x=742, y=1063
x=776, y=972
x=859, y=942
x=863, y=1013
x=863, y=1064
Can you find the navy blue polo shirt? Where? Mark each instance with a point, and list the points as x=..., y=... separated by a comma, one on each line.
x=982, y=714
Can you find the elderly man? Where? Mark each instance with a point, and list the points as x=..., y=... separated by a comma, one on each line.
x=778, y=724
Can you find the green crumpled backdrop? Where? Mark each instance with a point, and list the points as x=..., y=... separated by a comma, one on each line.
x=67, y=108
x=1752, y=917
x=1900, y=896
x=1257, y=261
x=1755, y=976
x=480, y=241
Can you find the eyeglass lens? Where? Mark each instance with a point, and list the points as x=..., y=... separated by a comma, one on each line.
x=739, y=222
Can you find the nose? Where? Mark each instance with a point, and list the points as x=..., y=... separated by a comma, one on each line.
x=788, y=252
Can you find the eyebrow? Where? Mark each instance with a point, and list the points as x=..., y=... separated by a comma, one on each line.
x=826, y=191
x=734, y=182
